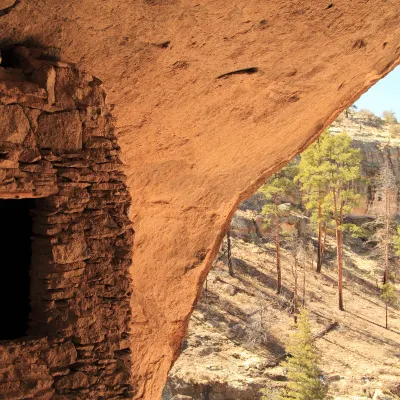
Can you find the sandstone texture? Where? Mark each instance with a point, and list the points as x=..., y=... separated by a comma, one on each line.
x=208, y=97
x=67, y=158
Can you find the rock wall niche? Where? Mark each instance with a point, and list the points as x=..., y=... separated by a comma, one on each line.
x=57, y=146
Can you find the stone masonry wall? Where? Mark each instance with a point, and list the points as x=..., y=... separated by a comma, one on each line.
x=57, y=145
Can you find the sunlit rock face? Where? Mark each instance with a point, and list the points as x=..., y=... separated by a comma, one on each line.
x=210, y=99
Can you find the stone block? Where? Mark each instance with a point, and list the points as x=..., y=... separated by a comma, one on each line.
x=9, y=164
x=60, y=131
x=73, y=381
x=61, y=356
x=45, y=77
x=75, y=250
x=14, y=125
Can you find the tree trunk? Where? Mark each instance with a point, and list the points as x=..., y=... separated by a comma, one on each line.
x=323, y=246
x=319, y=251
x=295, y=295
x=278, y=250
x=386, y=315
x=387, y=225
x=339, y=241
x=339, y=246
x=230, y=266
x=206, y=392
x=304, y=285
x=258, y=233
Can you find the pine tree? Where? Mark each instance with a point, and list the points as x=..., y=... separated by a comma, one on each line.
x=349, y=110
x=329, y=169
x=314, y=186
x=342, y=165
x=302, y=367
x=277, y=189
x=390, y=297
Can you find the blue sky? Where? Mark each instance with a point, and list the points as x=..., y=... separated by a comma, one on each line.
x=384, y=95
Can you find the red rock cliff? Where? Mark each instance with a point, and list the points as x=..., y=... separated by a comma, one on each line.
x=208, y=96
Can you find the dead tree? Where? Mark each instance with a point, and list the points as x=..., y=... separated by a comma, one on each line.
x=387, y=183
x=230, y=264
x=295, y=292
x=297, y=251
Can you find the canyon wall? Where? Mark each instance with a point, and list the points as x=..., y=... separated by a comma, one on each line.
x=208, y=98
x=249, y=224
x=375, y=158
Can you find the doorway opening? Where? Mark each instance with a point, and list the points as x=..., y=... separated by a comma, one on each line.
x=16, y=254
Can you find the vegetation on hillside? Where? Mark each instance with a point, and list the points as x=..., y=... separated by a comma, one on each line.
x=306, y=234
x=328, y=172
x=303, y=373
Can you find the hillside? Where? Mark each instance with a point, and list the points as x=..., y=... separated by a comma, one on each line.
x=239, y=328
x=230, y=354
x=364, y=126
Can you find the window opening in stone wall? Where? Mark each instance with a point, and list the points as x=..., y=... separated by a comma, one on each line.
x=15, y=250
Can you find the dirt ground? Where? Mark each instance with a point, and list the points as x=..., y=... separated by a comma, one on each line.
x=238, y=331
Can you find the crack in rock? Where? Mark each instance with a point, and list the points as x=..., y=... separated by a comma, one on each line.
x=247, y=71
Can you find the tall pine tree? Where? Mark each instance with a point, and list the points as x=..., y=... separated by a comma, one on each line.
x=343, y=167
x=328, y=175
x=276, y=191
x=314, y=186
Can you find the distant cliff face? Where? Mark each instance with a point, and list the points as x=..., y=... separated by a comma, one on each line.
x=379, y=148
x=377, y=152
x=375, y=158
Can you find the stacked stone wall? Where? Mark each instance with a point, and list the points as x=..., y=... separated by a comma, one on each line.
x=57, y=145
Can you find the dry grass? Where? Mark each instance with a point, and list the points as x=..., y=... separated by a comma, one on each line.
x=239, y=328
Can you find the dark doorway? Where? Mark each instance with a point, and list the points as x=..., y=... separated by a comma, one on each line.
x=15, y=261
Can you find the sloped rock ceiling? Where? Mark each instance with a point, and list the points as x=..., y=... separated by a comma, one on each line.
x=197, y=138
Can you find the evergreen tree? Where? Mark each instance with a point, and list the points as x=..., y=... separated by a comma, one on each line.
x=390, y=297
x=329, y=169
x=314, y=186
x=350, y=110
x=342, y=165
x=302, y=367
x=276, y=191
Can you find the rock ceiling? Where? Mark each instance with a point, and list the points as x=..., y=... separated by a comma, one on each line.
x=210, y=98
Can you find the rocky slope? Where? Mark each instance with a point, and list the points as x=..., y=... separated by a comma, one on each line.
x=238, y=330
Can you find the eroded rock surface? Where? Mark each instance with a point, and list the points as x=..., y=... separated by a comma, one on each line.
x=209, y=97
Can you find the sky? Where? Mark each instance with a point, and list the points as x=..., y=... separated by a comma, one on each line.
x=384, y=95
